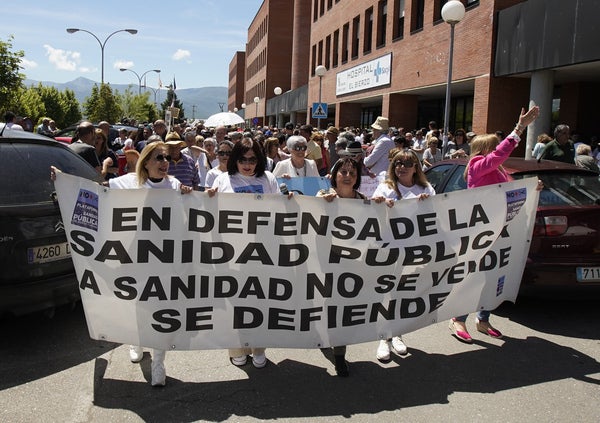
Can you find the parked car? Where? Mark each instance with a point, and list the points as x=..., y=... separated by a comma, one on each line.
x=565, y=249
x=37, y=270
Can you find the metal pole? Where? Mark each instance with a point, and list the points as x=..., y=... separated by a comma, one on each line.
x=320, y=86
x=448, y=90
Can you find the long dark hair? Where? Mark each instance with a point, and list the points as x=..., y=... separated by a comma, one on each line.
x=241, y=148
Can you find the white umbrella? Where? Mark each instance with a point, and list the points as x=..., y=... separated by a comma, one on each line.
x=224, y=119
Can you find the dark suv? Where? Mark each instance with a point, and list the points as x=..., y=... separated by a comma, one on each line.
x=36, y=270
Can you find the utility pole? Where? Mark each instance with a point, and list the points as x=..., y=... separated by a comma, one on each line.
x=193, y=111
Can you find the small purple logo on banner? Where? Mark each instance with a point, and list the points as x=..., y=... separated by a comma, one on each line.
x=500, y=286
x=514, y=201
x=85, y=213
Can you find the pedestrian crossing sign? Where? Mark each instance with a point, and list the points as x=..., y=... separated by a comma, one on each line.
x=319, y=110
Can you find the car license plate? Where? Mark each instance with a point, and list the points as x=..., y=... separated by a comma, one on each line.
x=48, y=253
x=588, y=274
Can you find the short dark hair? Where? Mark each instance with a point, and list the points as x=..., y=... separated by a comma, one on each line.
x=241, y=148
x=307, y=128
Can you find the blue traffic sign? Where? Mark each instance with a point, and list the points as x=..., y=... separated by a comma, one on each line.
x=319, y=110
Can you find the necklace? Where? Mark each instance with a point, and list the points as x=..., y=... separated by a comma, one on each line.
x=297, y=169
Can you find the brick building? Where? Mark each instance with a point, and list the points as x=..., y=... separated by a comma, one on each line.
x=390, y=57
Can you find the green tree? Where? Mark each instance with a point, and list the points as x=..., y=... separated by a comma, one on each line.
x=172, y=97
x=103, y=105
x=10, y=77
x=53, y=103
x=72, y=110
x=30, y=103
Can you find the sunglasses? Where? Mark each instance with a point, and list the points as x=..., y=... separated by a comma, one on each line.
x=300, y=148
x=405, y=163
x=162, y=157
x=248, y=160
x=224, y=153
x=344, y=172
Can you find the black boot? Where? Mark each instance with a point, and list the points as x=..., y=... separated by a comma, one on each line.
x=341, y=367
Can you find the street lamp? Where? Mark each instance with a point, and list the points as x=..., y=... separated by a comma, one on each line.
x=320, y=71
x=102, y=44
x=277, y=91
x=452, y=13
x=139, y=77
x=256, y=100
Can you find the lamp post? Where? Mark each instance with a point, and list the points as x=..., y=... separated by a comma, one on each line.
x=452, y=13
x=243, y=106
x=256, y=100
x=320, y=71
x=154, y=90
x=102, y=43
x=277, y=91
x=139, y=77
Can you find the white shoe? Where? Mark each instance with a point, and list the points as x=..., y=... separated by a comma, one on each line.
x=259, y=361
x=239, y=361
x=383, y=351
x=399, y=346
x=136, y=353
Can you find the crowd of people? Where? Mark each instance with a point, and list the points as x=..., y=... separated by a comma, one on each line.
x=227, y=160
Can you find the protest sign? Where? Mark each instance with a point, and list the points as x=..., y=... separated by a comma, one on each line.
x=171, y=271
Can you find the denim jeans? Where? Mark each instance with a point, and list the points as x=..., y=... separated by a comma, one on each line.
x=482, y=316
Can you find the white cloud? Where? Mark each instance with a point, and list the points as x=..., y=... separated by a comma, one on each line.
x=61, y=59
x=181, y=54
x=123, y=64
x=28, y=64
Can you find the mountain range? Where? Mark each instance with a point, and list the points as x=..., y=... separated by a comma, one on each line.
x=198, y=103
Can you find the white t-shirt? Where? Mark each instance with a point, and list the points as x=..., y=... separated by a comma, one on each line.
x=130, y=181
x=211, y=176
x=266, y=184
x=383, y=190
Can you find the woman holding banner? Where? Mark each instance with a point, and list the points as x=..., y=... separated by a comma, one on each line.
x=345, y=181
x=485, y=168
x=405, y=179
x=151, y=172
x=246, y=174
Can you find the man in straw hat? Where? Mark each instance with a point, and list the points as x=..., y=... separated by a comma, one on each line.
x=377, y=161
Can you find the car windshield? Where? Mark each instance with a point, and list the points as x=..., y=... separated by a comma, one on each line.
x=566, y=188
x=25, y=171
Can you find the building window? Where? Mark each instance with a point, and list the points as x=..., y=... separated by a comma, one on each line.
x=418, y=15
x=336, y=48
x=313, y=65
x=472, y=2
x=320, y=53
x=381, y=23
x=368, y=40
x=328, y=52
x=329, y=4
x=315, y=10
x=322, y=9
x=355, y=36
x=398, y=31
x=345, y=42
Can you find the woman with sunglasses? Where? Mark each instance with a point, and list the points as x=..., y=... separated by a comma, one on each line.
x=405, y=179
x=223, y=153
x=151, y=172
x=297, y=165
x=246, y=174
x=345, y=181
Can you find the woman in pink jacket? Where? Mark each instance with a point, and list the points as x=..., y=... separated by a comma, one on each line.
x=485, y=168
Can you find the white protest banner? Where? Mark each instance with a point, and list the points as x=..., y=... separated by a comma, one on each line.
x=171, y=271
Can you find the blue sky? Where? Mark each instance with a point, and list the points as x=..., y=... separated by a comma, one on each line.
x=191, y=40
